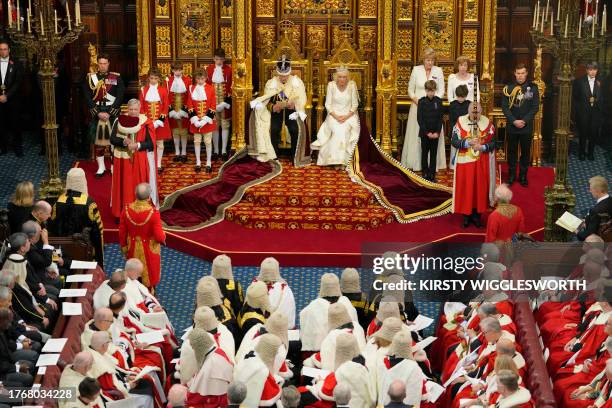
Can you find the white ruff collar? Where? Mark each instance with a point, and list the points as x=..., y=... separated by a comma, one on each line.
x=152, y=94
x=217, y=76
x=178, y=85
x=142, y=118
x=198, y=93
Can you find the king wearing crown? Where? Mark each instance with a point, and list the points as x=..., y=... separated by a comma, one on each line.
x=281, y=105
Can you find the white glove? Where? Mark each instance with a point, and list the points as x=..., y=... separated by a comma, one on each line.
x=183, y=114
x=227, y=105
x=220, y=107
x=200, y=124
x=256, y=105
x=303, y=116
x=293, y=116
x=194, y=120
x=173, y=114
x=158, y=123
x=206, y=120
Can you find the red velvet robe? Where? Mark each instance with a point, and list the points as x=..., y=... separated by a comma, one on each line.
x=227, y=76
x=201, y=108
x=502, y=228
x=156, y=110
x=128, y=171
x=183, y=123
x=473, y=178
x=140, y=236
x=567, y=380
x=570, y=403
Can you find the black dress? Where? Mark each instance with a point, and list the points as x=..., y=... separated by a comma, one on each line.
x=17, y=216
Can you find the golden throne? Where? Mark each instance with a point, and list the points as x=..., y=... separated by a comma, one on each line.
x=360, y=72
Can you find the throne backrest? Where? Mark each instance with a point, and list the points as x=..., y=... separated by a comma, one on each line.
x=345, y=55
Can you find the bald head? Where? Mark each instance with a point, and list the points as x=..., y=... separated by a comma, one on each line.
x=133, y=268
x=143, y=191
x=41, y=210
x=83, y=362
x=117, y=301
x=397, y=391
x=506, y=347
x=102, y=313
x=117, y=280
x=99, y=340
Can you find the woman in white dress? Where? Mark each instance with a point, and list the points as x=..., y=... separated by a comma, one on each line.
x=339, y=132
x=411, y=152
x=462, y=76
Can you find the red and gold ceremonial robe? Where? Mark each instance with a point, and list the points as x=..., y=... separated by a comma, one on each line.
x=155, y=106
x=570, y=378
x=140, y=236
x=474, y=177
x=201, y=105
x=131, y=168
x=520, y=399
x=178, y=100
x=227, y=85
x=504, y=222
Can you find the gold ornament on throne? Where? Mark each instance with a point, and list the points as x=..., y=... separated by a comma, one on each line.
x=93, y=57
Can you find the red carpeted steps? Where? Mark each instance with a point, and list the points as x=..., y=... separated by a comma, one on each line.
x=311, y=197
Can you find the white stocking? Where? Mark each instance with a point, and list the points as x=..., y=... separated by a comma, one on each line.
x=224, y=138
x=197, y=145
x=215, y=139
x=160, y=152
x=177, y=144
x=208, y=144
x=184, y=144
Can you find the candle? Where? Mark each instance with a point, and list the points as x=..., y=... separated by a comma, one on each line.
x=10, y=15
x=543, y=20
x=535, y=16
x=558, y=9
x=593, y=28
x=580, y=27
x=55, y=12
x=546, y=13
x=42, y=24
x=29, y=7
x=68, y=16
x=77, y=11
x=566, y=25
x=29, y=23
x=596, y=12
x=18, y=18
x=603, y=21
x=551, y=23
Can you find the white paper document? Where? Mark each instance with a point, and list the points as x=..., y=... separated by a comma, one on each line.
x=54, y=345
x=464, y=402
x=47, y=360
x=434, y=390
x=83, y=265
x=314, y=372
x=72, y=309
x=569, y=222
x=421, y=322
x=424, y=343
x=294, y=335
x=146, y=370
x=80, y=277
x=152, y=337
x=460, y=371
x=41, y=371
x=156, y=320
x=64, y=293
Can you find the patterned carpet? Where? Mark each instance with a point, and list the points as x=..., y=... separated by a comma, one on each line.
x=180, y=271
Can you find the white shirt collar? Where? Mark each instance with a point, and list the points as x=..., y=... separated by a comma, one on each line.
x=600, y=199
x=198, y=93
x=5, y=59
x=152, y=94
x=178, y=85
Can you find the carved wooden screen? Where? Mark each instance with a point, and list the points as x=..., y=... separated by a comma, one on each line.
x=184, y=30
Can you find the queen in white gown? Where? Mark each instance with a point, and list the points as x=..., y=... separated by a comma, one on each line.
x=411, y=152
x=462, y=76
x=339, y=133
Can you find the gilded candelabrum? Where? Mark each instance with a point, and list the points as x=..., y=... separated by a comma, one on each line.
x=561, y=30
x=39, y=30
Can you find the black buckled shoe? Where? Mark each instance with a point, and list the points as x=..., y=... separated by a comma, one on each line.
x=208, y=169
x=198, y=168
x=523, y=181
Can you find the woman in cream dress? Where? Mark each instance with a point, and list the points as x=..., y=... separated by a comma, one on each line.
x=411, y=152
x=462, y=76
x=339, y=133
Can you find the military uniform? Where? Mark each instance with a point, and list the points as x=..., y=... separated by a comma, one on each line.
x=74, y=211
x=520, y=102
x=220, y=77
x=103, y=92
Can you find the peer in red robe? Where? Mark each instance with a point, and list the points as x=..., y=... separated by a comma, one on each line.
x=133, y=138
x=154, y=103
x=504, y=222
x=474, y=177
x=595, y=394
x=140, y=236
x=177, y=85
x=220, y=77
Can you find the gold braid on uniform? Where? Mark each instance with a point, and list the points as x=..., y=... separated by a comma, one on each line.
x=516, y=91
x=97, y=87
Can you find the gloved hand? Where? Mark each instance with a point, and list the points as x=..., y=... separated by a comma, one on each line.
x=158, y=123
x=174, y=114
x=183, y=114
x=256, y=105
x=220, y=107
x=207, y=120
x=200, y=124
x=293, y=116
x=194, y=120
x=227, y=105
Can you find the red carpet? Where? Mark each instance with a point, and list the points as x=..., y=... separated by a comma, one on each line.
x=249, y=246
